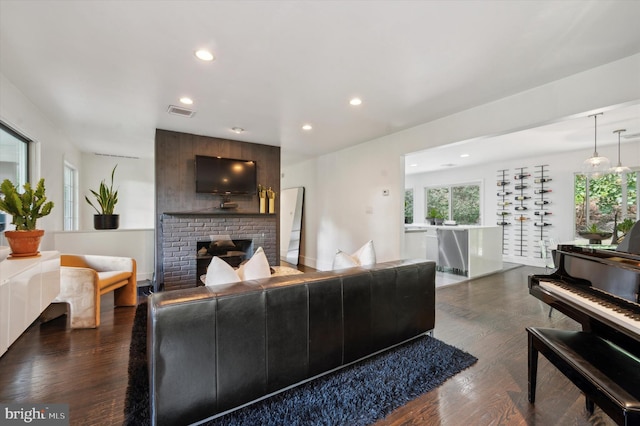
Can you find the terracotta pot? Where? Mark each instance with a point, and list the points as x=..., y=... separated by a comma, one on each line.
x=24, y=243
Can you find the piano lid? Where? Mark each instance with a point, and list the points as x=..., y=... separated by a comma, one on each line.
x=631, y=241
x=612, y=271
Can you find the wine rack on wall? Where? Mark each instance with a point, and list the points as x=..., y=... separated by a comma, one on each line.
x=542, y=207
x=521, y=207
x=524, y=211
x=504, y=214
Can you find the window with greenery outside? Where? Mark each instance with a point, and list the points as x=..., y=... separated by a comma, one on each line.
x=598, y=200
x=408, y=206
x=464, y=201
x=465, y=204
x=437, y=200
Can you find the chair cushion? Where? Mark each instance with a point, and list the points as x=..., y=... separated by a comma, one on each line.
x=108, y=278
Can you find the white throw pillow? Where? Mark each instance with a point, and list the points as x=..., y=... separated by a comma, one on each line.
x=256, y=267
x=365, y=255
x=343, y=260
x=220, y=272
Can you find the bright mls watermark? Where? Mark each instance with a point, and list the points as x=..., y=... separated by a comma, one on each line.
x=36, y=414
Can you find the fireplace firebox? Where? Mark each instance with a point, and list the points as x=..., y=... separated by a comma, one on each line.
x=232, y=251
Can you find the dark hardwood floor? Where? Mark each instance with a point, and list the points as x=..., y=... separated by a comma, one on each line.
x=486, y=317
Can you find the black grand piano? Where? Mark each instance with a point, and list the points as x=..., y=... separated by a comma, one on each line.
x=600, y=289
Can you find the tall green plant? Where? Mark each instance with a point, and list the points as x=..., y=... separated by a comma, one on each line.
x=106, y=197
x=25, y=208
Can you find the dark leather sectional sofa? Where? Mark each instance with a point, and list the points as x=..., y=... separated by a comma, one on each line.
x=211, y=350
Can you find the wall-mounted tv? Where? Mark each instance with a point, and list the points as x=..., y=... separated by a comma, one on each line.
x=215, y=175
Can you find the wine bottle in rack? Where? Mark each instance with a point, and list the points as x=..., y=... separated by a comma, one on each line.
x=504, y=213
x=504, y=193
x=503, y=223
x=541, y=202
x=542, y=213
x=522, y=218
x=542, y=180
x=521, y=197
x=542, y=224
x=521, y=176
x=522, y=186
x=520, y=208
x=541, y=191
x=504, y=203
x=503, y=182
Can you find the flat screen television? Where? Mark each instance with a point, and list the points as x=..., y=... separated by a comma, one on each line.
x=215, y=175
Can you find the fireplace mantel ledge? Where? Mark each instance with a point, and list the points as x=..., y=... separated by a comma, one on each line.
x=218, y=212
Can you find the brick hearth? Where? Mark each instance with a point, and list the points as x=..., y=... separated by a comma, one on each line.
x=180, y=233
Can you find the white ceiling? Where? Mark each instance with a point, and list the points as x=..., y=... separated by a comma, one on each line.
x=571, y=134
x=104, y=72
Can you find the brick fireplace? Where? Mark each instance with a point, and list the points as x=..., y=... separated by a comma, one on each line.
x=181, y=232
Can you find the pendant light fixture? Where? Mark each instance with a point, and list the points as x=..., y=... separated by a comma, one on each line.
x=596, y=166
x=620, y=169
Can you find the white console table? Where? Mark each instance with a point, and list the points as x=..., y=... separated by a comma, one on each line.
x=27, y=287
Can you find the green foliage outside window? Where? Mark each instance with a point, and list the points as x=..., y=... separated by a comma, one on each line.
x=437, y=203
x=464, y=201
x=605, y=197
x=466, y=204
x=408, y=206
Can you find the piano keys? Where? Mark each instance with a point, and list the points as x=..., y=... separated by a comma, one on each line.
x=598, y=288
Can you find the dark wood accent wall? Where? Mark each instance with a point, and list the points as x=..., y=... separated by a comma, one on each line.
x=175, y=177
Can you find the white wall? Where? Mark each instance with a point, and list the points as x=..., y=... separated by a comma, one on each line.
x=134, y=177
x=52, y=148
x=136, y=243
x=347, y=198
x=135, y=181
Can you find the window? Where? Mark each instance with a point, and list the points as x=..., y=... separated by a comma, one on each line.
x=437, y=200
x=14, y=156
x=599, y=200
x=454, y=202
x=70, y=198
x=465, y=204
x=408, y=206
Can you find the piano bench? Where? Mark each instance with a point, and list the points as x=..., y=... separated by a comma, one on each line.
x=608, y=375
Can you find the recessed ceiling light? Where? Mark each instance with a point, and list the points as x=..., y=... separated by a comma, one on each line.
x=186, y=101
x=307, y=127
x=413, y=165
x=204, y=55
x=464, y=155
x=237, y=130
x=355, y=101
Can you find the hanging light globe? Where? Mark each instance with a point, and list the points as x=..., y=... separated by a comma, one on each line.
x=596, y=165
x=619, y=169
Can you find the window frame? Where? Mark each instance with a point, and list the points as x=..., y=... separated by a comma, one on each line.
x=26, y=170
x=624, y=196
x=450, y=193
x=70, y=220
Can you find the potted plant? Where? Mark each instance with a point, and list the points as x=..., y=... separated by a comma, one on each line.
x=624, y=227
x=435, y=217
x=25, y=208
x=594, y=234
x=107, y=198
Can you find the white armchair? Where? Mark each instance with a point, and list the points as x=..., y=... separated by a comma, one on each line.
x=85, y=278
